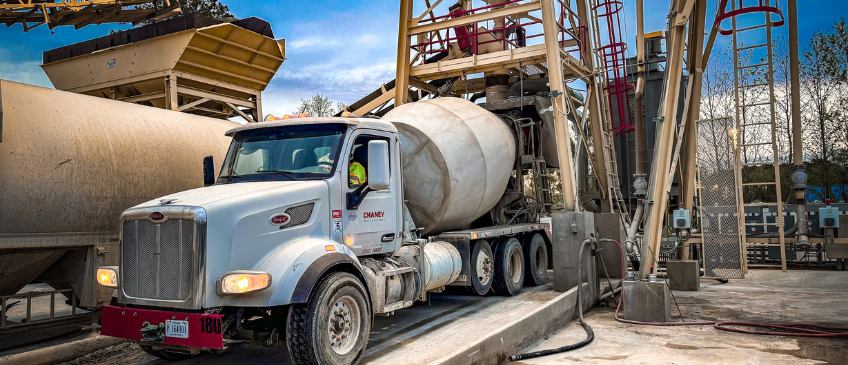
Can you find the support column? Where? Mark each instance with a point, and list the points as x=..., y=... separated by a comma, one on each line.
x=171, y=100
x=563, y=135
x=658, y=195
x=697, y=64
x=794, y=70
x=402, y=80
x=596, y=117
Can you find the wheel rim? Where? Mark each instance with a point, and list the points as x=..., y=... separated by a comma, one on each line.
x=343, y=325
x=485, y=266
x=515, y=266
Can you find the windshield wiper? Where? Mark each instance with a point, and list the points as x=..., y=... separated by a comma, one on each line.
x=285, y=173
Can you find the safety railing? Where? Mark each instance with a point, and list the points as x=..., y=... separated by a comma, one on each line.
x=6, y=304
x=512, y=35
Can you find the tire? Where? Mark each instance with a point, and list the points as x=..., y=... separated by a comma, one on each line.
x=340, y=301
x=481, y=268
x=509, y=268
x=536, y=257
x=165, y=354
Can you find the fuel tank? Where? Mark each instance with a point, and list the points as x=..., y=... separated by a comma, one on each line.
x=457, y=160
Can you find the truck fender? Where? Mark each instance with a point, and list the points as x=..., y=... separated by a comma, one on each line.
x=317, y=270
x=316, y=258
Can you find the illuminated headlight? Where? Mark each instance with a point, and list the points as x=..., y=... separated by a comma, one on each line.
x=239, y=282
x=108, y=276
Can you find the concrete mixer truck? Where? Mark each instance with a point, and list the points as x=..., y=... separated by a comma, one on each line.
x=290, y=245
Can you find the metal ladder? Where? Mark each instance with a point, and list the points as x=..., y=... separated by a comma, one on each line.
x=615, y=196
x=755, y=133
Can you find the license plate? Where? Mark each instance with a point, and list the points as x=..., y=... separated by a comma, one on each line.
x=178, y=329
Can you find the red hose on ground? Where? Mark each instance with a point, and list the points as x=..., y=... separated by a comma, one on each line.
x=806, y=332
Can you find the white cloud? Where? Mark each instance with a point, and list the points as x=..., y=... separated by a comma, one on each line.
x=28, y=72
x=312, y=42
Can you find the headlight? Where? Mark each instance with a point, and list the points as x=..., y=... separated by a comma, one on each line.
x=108, y=276
x=243, y=282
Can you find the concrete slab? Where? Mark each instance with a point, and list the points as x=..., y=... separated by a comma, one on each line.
x=450, y=329
x=683, y=274
x=816, y=297
x=646, y=301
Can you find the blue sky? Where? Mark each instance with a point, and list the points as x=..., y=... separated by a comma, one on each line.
x=342, y=49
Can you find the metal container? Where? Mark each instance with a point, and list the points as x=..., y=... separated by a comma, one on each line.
x=72, y=163
x=457, y=159
x=442, y=264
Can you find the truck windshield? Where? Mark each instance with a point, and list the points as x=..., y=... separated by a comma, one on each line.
x=296, y=152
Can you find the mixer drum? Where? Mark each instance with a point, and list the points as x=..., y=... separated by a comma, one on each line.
x=457, y=160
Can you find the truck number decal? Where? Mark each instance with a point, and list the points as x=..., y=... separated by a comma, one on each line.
x=372, y=250
x=210, y=325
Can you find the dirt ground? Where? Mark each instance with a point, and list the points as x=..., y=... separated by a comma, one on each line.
x=814, y=297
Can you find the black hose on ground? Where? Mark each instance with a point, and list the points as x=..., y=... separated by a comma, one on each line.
x=590, y=335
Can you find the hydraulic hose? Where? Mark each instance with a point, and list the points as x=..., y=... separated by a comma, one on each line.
x=590, y=335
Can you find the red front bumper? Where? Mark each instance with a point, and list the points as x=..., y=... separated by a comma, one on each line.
x=204, y=330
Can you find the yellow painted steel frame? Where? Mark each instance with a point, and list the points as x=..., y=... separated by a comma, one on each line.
x=80, y=13
x=552, y=51
x=660, y=183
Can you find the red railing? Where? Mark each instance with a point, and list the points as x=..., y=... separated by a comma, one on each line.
x=613, y=56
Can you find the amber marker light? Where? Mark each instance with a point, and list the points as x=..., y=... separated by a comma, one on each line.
x=241, y=282
x=108, y=276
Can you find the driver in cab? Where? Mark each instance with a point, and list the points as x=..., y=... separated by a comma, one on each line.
x=357, y=170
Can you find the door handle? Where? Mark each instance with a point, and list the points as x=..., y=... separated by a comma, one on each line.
x=388, y=237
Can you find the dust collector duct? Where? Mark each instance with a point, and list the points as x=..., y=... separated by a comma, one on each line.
x=457, y=158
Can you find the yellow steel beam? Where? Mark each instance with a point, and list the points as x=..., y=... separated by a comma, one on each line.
x=557, y=82
x=480, y=63
x=365, y=109
x=215, y=96
x=403, y=71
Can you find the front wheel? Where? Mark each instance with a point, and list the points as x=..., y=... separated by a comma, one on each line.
x=332, y=327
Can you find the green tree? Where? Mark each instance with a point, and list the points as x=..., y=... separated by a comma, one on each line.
x=316, y=106
x=211, y=8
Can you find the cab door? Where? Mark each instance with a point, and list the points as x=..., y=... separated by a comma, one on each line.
x=372, y=227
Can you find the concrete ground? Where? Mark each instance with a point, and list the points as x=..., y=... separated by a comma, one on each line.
x=815, y=297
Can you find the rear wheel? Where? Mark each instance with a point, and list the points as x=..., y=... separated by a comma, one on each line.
x=333, y=327
x=536, y=257
x=509, y=268
x=482, y=268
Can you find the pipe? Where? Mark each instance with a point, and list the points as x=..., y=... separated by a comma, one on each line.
x=590, y=335
x=794, y=72
x=640, y=85
x=630, y=242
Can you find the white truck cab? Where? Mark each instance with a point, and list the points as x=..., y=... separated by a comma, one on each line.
x=290, y=244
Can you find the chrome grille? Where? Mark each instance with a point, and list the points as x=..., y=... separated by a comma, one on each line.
x=299, y=214
x=158, y=259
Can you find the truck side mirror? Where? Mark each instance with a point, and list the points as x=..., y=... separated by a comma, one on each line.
x=378, y=165
x=208, y=171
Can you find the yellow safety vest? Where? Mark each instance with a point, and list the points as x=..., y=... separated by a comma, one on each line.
x=357, y=174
